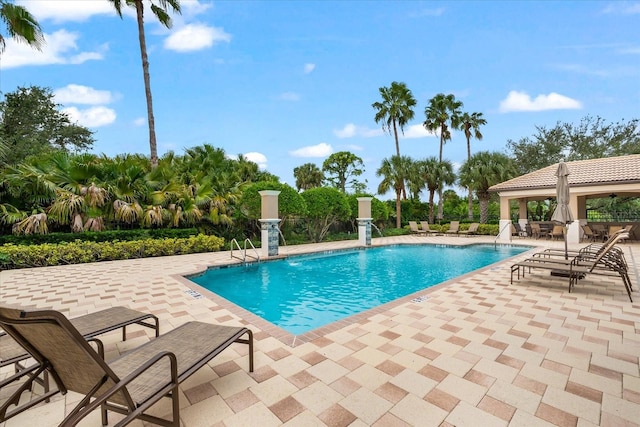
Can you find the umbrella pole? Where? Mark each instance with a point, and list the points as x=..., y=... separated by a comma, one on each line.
x=566, y=250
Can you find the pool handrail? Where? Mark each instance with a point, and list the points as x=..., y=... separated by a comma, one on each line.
x=244, y=251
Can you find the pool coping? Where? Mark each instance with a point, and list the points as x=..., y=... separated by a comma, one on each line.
x=293, y=340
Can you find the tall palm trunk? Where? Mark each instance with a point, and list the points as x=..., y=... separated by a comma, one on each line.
x=395, y=133
x=484, y=207
x=147, y=83
x=431, y=194
x=470, y=194
x=398, y=210
x=440, y=204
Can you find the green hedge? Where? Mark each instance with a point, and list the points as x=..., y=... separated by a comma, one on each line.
x=17, y=256
x=99, y=236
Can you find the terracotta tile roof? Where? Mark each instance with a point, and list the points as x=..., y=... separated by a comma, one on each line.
x=609, y=170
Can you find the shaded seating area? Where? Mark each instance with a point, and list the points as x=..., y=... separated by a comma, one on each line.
x=603, y=259
x=588, y=234
x=557, y=232
x=131, y=383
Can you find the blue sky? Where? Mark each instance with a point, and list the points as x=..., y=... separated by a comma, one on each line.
x=289, y=82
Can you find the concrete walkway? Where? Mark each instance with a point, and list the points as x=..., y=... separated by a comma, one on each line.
x=477, y=352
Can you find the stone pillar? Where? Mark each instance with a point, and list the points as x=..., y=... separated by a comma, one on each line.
x=269, y=220
x=574, y=229
x=364, y=220
x=504, y=230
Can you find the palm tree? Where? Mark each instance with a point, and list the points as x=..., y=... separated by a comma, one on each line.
x=442, y=113
x=308, y=176
x=470, y=124
x=483, y=170
x=394, y=171
x=20, y=24
x=159, y=9
x=435, y=174
x=395, y=110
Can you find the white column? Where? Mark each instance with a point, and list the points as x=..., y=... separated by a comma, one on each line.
x=504, y=230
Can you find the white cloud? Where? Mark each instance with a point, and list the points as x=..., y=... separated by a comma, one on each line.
x=521, y=101
x=140, y=121
x=78, y=94
x=289, y=96
x=416, y=131
x=64, y=10
x=91, y=117
x=193, y=7
x=193, y=37
x=308, y=68
x=320, y=150
x=350, y=130
x=60, y=48
x=258, y=158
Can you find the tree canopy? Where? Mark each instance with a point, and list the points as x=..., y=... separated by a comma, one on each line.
x=341, y=168
x=20, y=25
x=308, y=176
x=31, y=123
x=325, y=207
x=483, y=170
x=395, y=110
x=592, y=138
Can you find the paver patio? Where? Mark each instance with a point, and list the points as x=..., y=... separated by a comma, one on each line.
x=475, y=351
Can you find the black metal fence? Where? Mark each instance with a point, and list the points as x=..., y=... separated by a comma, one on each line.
x=613, y=216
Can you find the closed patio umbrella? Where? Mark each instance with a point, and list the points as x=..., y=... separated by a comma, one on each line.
x=562, y=215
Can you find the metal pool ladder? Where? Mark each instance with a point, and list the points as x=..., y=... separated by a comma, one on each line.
x=236, y=245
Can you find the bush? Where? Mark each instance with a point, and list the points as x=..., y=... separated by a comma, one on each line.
x=98, y=236
x=19, y=256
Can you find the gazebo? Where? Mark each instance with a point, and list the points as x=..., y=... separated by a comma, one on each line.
x=594, y=178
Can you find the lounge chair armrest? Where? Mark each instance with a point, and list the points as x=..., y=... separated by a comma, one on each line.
x=81, y=410
x=99, y=346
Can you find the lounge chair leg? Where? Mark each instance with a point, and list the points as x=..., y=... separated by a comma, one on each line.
x=105, y=415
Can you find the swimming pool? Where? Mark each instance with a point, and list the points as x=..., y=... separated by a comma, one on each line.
x=305, y=292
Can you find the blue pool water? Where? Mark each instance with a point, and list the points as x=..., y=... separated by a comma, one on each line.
x=305, y=292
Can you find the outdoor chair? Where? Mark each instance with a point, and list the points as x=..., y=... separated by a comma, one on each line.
x=536, y=232
x=89, y=325
x=588, y=234
x=472, y=231
x=607, y=260
x=131, y=383
x=426, y=228
x=413, y=227
x=516, y=230
x=454, y=227
x=591, y=250
x=557, y=232
x=599, y=230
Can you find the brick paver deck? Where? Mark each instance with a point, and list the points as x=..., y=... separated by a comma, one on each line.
x=476, y=351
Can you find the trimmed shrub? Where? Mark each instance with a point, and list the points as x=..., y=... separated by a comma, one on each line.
x=19, y=256
x=98, y=236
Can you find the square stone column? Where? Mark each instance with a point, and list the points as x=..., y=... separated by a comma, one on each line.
x=270, y=232
x=364, y=220
x=270, y=237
